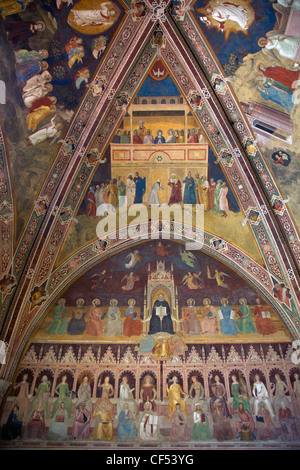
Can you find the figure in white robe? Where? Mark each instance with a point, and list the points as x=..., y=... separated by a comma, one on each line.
x=35, y=93
x=52, y=131
x=126, y=396
x=59, y=426
x=227, y=11
x=130, y=190
x=149, y=424
x=260, y=394
x=38, y=79
x=286, y=46
x=114, y=323
x=133, y=258
x=98, y=17
x=153, y=198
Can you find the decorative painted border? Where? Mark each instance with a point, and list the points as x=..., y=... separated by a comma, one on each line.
x=7, y=220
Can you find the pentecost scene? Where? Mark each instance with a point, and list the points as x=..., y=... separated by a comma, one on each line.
x=149, y=224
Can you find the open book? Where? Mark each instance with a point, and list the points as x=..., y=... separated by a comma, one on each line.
x=221, y=316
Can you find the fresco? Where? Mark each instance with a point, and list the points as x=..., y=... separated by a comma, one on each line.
x=144, y=342
x=49, y=61
x=181, y=160
x=201, y=286
x=165, y=119
x=93, y=370
x=264, y=73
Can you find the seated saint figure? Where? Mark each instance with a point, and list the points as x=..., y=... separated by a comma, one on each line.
x=148, y=426
x=77, y=323
x=176, y=394
x=161, y=320
x=104, y=429
x=161, y=349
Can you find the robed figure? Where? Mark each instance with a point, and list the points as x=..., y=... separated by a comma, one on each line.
x=161, y=317
x=189, y=196
x=140, y=188
x=176, y=195
x=91, y=203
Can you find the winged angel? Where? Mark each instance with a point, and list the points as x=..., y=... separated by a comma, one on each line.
x=188, y=258
x=219, y=277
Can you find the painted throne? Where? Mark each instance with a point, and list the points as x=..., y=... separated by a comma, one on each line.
x=160, y=281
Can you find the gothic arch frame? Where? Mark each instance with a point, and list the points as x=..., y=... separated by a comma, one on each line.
x=257, y=275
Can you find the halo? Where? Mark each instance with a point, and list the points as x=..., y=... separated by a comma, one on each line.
x=147, y=375
x=148, y=403
x=261, y=42
x=79, y=405
x=85, y=373
x=42, y=23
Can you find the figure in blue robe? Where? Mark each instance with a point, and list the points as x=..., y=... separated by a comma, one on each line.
x=26, y=71
x=126, y=427
x=77, y=323
x=285, y=100
x=140, y=188
x=156, y=323
x=13, y=427
x=189, y=196
x=227, y=324
x=146, y=344
x=159, y=139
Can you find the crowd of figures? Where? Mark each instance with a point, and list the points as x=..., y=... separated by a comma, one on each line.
x=225, y=319
x=188, y=415
x=96, y=320
x=191, y=190
x=35, y=82
x=42, y=74
x=143, y=135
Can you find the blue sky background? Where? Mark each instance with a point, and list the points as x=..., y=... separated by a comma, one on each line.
x=153, y=87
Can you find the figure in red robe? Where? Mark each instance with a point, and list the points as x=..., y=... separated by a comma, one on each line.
x=132, y=324
x=44, y=101
x=176, y=194
x=136, y=138
x=91, y=206
x=161, y=250
x=280, y=74
x=263, y=321
x=282, y=293
x=193, y=137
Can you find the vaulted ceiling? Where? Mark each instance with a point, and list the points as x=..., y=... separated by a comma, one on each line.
x=42, y=187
